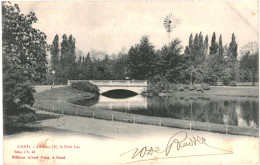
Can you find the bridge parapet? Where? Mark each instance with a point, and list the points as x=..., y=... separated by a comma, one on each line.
x=132, y=83
x=137, y=86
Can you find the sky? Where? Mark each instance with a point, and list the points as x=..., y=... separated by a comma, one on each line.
x=111, y=26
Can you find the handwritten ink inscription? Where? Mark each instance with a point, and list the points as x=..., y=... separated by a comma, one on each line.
x=177, y=142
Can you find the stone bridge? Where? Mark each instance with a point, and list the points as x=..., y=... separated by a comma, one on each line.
x=137, y=86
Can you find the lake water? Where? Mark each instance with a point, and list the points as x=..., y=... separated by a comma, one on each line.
x=221, y=110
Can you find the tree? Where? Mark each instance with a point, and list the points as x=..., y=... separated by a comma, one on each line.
x=197, y=49
x=206, y=44
x=249, y=60
x=71, y=49
x=55, y=53
x=233, y=47
x=119, y=66
x=68, y=69
x=173, y=61
x=214, y=46
x=71, y=59
x=64, y=51
x=88, y=68
x=190, y=40
x=220, y=46
x=200, y=39
x=24, y=57
x=141, y=58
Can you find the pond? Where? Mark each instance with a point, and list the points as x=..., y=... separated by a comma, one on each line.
x=241, y=111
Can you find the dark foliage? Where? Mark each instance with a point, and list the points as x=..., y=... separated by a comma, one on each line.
x=24, y=57
x=85, y=87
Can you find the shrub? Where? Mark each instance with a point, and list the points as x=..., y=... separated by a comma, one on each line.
x=17, y=95
x=218, y=83
x=158, y=87
x=21, y=115
x=185, y=86
x=233, y=83
x=199, y=88
x=205, y=86
x=26, y=117
x=172, y=87
x=85, y=87
x=192, y=87
x=152, y=89
x=181, y=88
x=225, y=80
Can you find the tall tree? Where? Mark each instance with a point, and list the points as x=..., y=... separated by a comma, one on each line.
x=214, y=46
x=201, y=56
x=55, y=53
x=119, y=66
x=220, y=46
x=64, y=51
x=71, y=49
x=195, y=47
x=206, y=44
x=174, y=62
x=200, y=39
x=141, y=59
x=233, y=47
x=190, y=40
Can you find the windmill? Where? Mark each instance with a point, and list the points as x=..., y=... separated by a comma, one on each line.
x=170, y=22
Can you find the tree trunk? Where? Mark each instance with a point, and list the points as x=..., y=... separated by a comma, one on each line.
x=253, y=78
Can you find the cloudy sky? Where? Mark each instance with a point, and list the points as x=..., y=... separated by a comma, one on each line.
x=110, y=26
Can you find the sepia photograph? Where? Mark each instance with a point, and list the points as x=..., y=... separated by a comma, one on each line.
x=121, y=82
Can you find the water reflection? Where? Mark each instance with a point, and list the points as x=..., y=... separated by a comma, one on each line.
x=134, y=103
x=228, y=111
x=88, y=102
x=214, y=110
x=119, y=94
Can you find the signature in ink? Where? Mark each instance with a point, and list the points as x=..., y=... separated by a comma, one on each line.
x=174, y=142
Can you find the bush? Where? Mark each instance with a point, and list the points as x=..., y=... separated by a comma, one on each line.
x=181, y=88
x=152, y=89
x=218, y=83
x=172, y=87
x=199, y=88
x=17, y=95
x=85, y=87
x=205, y=86
x=233, y=83
x=185, y=86
x=160, y=86
x=21, y=115
x=192, y=87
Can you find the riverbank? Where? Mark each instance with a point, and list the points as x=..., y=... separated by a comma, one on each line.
x=226, y=91
x=56, y=101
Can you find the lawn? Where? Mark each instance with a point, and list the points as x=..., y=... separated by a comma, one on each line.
x=221, y=91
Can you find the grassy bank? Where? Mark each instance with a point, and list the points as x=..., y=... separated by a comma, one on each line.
x=56, y=101
x=228, y=91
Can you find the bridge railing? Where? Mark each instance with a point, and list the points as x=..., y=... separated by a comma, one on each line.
x=113, y=82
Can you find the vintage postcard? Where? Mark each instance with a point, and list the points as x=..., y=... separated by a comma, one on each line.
x=120, y=82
